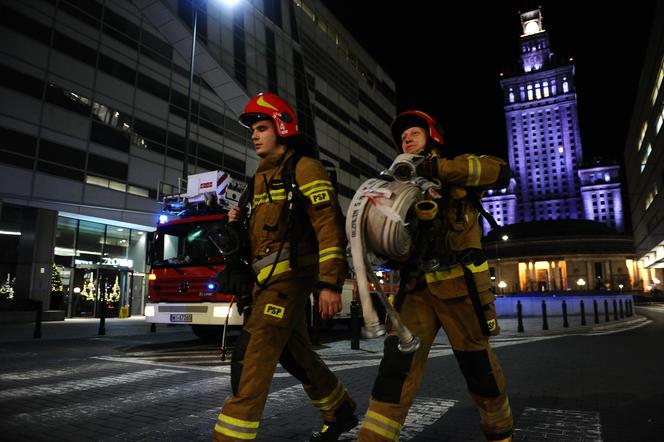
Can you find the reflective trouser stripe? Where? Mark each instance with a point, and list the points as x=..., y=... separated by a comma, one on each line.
x=284, y=266
x=330, y=253
x=474, y=171
x=236, y=428
x=382, y=425
x=332, y=401
x=455, y=272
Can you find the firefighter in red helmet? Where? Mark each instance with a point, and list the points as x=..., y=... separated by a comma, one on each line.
x=445, y=285
x=297, y=245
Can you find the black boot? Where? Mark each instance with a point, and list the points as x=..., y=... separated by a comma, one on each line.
x=345, y=421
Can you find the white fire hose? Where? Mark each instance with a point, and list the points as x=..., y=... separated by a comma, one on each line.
x=376, y=226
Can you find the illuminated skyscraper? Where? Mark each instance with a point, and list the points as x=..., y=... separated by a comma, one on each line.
x=544, y=143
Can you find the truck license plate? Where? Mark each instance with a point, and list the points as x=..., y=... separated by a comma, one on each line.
x=181, y=317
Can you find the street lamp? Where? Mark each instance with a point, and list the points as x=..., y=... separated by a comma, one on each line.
x=187, y=130
x=505, y=237
x=581, y=282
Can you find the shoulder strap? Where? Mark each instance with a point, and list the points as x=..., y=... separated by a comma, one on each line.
x=288, y=171
x=475, y=201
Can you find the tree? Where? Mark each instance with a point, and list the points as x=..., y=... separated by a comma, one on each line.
x=7, y=288
x=56, y=280
x=114, y=294
x=89, y=288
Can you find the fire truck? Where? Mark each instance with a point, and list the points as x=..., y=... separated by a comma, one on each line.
x=185, y=263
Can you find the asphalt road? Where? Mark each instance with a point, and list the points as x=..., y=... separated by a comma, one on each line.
x=602, y=385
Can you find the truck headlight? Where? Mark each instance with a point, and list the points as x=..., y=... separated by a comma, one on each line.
x=149, y=310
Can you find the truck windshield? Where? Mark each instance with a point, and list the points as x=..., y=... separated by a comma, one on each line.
x=185, y=244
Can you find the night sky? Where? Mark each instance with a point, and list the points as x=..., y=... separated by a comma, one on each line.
x=446, y=60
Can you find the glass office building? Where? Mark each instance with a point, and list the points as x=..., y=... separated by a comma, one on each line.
x=93, y=108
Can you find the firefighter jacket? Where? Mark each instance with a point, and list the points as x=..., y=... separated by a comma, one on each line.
x=463, y=178
x=315, y=222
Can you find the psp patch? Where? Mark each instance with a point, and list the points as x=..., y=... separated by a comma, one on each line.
x=274, y=310
x=319, y=197
x=492, y=324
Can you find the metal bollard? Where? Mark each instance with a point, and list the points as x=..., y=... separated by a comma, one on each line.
x=355, y=324
x=622, y=314
x=519, y=315
x=153, y=327
x=596, y=311
x=583, y=313
x=565, y=322
x=102, y=319
x=606, y=311
x=631, y=308
x=615, y=310
x=38, y=320
x=545, y=322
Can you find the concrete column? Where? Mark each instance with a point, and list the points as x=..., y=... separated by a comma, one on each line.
x=35, y=255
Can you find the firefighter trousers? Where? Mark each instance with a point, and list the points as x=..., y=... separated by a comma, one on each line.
x=400, y=374
x=276, y=332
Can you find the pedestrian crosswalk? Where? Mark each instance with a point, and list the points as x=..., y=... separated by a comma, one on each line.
x=159, y=403
x=213, y=359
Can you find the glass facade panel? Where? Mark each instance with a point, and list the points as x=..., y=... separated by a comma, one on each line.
x=90, y=240
x=65, y=241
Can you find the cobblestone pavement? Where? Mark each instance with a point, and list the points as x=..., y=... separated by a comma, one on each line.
x=594, y=383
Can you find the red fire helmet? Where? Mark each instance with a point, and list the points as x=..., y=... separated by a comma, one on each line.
x=266, y=106
x=415, y=118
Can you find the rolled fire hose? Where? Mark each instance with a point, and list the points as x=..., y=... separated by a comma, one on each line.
x=376, y=226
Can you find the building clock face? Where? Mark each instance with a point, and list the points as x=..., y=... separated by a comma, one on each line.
x=532, y=27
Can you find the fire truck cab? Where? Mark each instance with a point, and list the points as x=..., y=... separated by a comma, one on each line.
x=185, y=263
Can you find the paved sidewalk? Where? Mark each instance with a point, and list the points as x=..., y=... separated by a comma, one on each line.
x=509, y=331
x=81, y=328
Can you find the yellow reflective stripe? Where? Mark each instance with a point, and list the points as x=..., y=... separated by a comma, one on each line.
x=284, y=266
x=236, y=434
x=455, y=272
x=236, y=428
x=238, y=422
x=389, y=435
x=480, y=268
x=474, y=171
x=332, y=400
x=330, y=253
x=382, y=425
x=328, y=257
x=331, y=249
x=316, y=185
x=262, y=198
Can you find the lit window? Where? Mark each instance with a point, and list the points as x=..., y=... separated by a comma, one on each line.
x=658, y=82
x=660, y=120
x=565, y=85
x=646, y=155
x=644, y=128
x=545, y=85
x=538, y=92
x=511, y=96
x=530, y=92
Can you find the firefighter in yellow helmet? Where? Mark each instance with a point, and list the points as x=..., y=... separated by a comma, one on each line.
x=447, y=285
x=297, y=244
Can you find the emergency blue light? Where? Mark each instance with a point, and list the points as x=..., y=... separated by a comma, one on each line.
x=163, y=219
x=212, y=286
